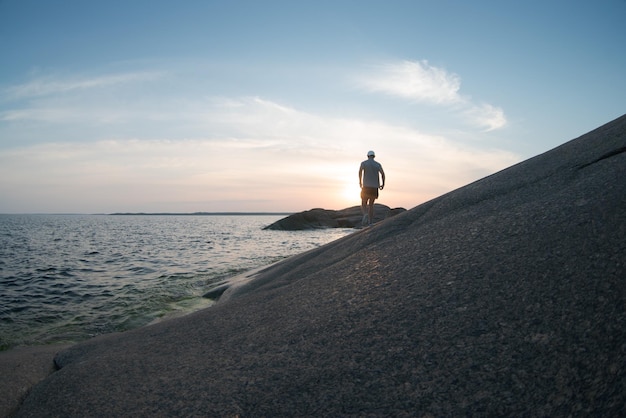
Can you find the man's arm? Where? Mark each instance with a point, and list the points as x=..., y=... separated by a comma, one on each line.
x=360, y=177
x=382, y=175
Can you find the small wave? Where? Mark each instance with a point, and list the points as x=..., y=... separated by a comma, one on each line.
x=46, y=270
x=144, y=270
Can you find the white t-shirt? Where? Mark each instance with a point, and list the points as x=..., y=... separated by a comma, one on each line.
x=371, y=169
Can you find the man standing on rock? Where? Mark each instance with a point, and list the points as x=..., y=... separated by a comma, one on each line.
x=369, y=183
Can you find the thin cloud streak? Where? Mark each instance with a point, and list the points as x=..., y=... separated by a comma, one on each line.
x=47, y=86
x=58, y=101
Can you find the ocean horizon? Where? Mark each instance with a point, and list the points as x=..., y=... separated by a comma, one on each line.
x=224, y=213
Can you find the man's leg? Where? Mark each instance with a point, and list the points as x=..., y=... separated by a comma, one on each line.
x=371, y=210
x=364, y=211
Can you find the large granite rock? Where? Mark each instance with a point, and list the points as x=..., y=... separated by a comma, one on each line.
x=20, y=370
x=326, y=218
x=503, y=298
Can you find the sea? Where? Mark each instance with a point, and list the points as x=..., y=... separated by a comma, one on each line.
x=67, y=278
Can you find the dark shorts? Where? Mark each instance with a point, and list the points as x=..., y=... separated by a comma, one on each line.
x=369, y=193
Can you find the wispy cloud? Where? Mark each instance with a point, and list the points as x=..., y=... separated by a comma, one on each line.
x=486, y=116
x=420, y=82
x=47, y=85
x=414, y=80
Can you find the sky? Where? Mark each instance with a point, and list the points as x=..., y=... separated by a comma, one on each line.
x=270, y=106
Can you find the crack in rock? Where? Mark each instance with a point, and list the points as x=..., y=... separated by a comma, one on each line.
x=605, y=156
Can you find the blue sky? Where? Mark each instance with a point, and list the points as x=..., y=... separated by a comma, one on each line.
x=162, y=106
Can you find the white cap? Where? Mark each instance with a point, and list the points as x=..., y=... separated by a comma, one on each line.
x=371, y=154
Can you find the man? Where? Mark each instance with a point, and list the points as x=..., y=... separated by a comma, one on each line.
x=369, y=183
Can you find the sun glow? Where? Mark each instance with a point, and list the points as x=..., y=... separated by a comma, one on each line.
x=349, y=195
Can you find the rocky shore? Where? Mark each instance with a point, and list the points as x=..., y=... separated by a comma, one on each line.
x=503, y=298
x=327, y=218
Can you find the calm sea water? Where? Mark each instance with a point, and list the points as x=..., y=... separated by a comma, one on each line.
x=65, y=278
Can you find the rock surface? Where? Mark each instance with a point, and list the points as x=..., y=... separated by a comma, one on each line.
x=503, y=298
x=326, y=218
x=20, y=370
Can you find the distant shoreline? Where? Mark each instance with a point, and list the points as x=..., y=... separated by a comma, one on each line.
x=202, y=213
x=160, y=214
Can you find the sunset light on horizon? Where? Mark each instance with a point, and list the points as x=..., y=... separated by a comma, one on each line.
x=211, y=106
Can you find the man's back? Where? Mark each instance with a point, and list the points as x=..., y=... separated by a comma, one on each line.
x=371, y=168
